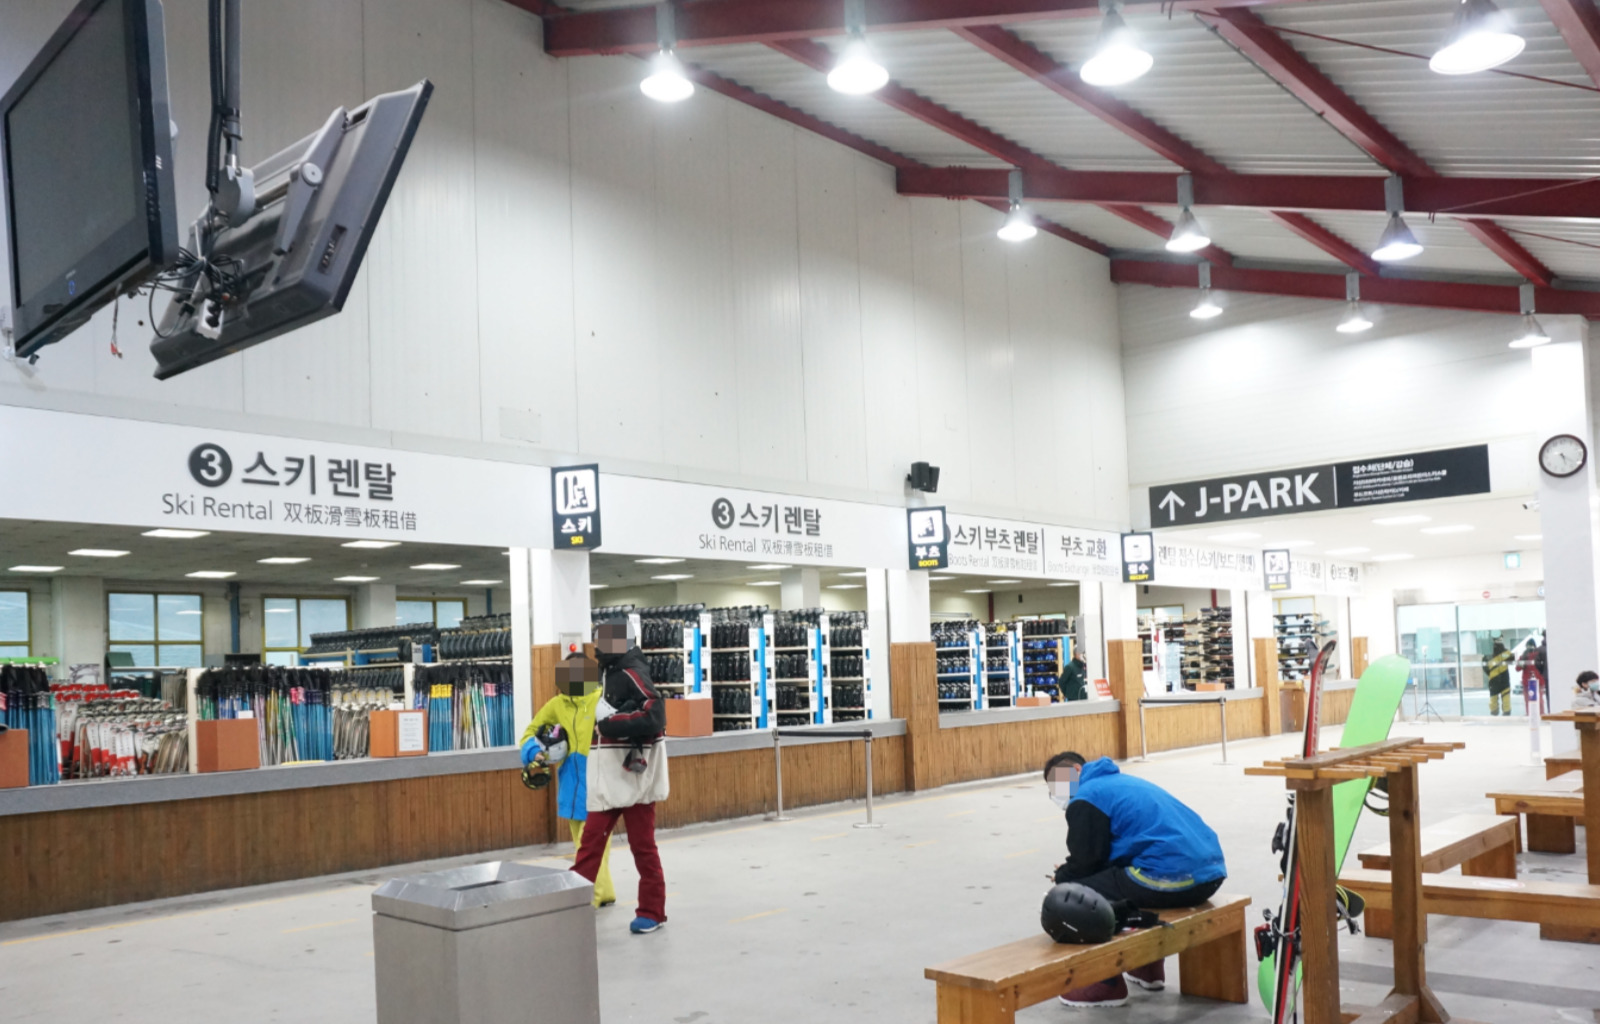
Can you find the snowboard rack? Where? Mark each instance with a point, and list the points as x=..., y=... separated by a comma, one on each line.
x=1311, y=781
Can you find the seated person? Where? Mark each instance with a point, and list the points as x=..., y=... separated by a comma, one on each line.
x=1129, y=839
x=1588, y=692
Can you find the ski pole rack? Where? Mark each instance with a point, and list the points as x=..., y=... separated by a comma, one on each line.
x=468, y=703
x=959, y=657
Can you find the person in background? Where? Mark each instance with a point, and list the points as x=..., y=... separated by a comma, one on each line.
x=627, y=771
x=572, y=708
x=1129, y=839
x=1497, y=673
x=1074, y=680
x=1588, y=695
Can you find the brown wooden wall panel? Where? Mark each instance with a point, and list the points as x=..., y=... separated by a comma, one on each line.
x=914, y=697
x=1336, y=706
x=1125, y=675
x=1010, y=748
x=1270, y=682
x=1171, y=727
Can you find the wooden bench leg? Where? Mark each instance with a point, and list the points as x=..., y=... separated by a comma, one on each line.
x=1378, y=922
x=1569, y=933
x=1216, y=969
x=959, y=1005
x=1552, y=833
x=1500, y=862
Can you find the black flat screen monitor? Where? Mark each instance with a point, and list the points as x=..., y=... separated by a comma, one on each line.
x=88, y=169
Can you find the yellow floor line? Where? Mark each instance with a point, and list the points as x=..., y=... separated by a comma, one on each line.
x=925, y=842
x=1021, y=853
x=325, y=924
x=764, y=913
x=961, y=814
x=831, y=835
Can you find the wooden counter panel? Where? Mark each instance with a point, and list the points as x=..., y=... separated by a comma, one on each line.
x=1170, y=727
x=990, y=751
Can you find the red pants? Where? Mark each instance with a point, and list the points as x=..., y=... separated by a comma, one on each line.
x=641, y=820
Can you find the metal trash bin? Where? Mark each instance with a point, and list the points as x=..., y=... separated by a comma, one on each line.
x=497, y=942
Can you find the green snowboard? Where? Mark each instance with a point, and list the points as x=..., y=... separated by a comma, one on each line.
x=1372, y=713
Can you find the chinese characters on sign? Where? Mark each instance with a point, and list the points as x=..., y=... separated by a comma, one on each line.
x=929, y=538
x=575, y=508
x=322, y=488
x=749, y=524
x=995, y=547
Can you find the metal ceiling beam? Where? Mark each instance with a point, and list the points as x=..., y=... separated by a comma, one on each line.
x=1458, y=197
x=819, y=58
x=1042, y=68
x=1050, y=227
x=1474, y=298
x=1578, y=21
x=1257, y=40
x=725, y=22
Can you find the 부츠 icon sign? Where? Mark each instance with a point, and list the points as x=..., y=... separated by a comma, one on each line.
x=929, y=538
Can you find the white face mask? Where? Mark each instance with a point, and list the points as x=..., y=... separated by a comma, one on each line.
x=1060, y=801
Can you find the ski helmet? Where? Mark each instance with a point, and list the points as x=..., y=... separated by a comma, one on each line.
x=555, y=742
x=1076, y=913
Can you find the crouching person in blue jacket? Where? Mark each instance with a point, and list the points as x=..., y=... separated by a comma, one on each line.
x=1129, y=839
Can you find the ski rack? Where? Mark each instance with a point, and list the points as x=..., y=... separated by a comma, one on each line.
x=1312, y=779
x=813, y=684
x=1001, y=686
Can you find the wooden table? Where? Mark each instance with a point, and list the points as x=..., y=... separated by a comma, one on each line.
x=1312, y=779
x=1587, y=721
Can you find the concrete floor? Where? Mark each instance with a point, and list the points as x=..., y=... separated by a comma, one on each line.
x=805, y=920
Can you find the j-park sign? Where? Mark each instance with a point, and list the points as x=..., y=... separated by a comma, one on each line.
x=1445, y=473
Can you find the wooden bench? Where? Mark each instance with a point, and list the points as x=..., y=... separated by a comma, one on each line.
x=1563, y=910
x=1554, y=766
x=1552, y=814
x=1484, y=845
x=990, y=987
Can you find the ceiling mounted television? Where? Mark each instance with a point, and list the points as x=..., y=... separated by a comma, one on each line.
x=87, y=165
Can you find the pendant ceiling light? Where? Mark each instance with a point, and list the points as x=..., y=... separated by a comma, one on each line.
x=1118, y=58
x=668, y=81
x=1207, y=307
x=1354, y=321
x=1397, y=242
x=857, y=72
x=1187, y=234
x=1532, y=334
x=1019, y=225
x=1481, y=38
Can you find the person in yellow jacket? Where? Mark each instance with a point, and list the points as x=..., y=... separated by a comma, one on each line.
x=573, y=708
x=1497, y=670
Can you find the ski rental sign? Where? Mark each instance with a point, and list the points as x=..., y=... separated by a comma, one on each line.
x=1445, y=473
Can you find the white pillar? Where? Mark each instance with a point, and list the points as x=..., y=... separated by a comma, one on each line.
x=1341, y=630
x=375, y=607
x=521, y=641
x=802, y=588
x=1258, y=625
x=1567, y=517
x=1372, y=616
x=877, y=640
x=910, y=610
x=1090, y=641
x=78, y=614
x=559, y=584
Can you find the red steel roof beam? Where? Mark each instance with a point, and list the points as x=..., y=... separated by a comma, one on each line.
x=1050, y=227
x=1578, y=21
x=725, y=22
x=1327, y=241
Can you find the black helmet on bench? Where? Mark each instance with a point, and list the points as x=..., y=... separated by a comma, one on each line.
x=1076, y=913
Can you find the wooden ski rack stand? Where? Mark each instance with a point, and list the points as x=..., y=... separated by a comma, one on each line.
x=1312, y=779
x=1587, y=722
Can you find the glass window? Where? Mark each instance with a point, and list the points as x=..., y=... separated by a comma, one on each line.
x=288, y=623
x=157, y=629
x=1448, y=644
x=444, y=613
x=15, y=636
x=448, y=614
x=407, y=611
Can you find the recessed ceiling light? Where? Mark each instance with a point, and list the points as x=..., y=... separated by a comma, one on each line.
x=769, y=567
x=36, y=568
x=1063, y=584
x=171, y=534
x=281, y=560
x=1234, y=537
x=436, y=566
x=767, y=583
x=280, y=611
x=1341, y=552
x=598, y=586
x=1402, y=520
x=195, y=611
x=370, y=545
x=1529, y=536
x=1453, y=528
x=672, y=576
x=491, y=583
x=939, y=579
x=97, y=553
x=354, y=579
x=1391, y=558
x=1002, y=582
x=845, y=586
x=658, y=561
x=852, y=574
x=977, y=590
x=1290, y=544
x=210, y=574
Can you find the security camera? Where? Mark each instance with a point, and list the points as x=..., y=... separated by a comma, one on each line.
x=1532, y=504
x=923, y=477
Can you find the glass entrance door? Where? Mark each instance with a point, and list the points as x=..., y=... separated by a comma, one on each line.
x=1448, y=645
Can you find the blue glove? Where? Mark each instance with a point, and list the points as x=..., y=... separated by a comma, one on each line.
x=530, y=750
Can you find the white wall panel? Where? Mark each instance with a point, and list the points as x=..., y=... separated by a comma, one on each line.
x=941, y=343
x=991, y=441
x=888, y=324
x=1270, y=383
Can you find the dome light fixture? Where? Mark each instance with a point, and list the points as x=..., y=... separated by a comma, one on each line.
x=1481, y=38
x=1187, y=234
x=668, y=81
x=857, y=72
x=1354, y=321
x=1118, y=58
x=1397, y=242
x=1019, y=226
x=1533, y=333
x=1207, y=307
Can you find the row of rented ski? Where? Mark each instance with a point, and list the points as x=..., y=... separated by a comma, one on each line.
x=468, y=705
x=27, y=703
x=291, y=707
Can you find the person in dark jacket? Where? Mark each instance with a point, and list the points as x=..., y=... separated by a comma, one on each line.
x=627, y=771
x=1129, y=839
x=1075, y=679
